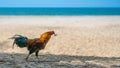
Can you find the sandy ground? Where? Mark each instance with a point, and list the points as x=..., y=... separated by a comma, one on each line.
x=82, y=41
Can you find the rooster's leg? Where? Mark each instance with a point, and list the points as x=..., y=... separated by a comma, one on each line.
x=36, y=53
x=30, y=52
x=26, y=59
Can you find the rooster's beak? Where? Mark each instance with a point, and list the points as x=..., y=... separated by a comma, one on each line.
x=55, y=34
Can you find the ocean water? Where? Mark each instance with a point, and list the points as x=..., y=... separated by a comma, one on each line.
x=60, y=11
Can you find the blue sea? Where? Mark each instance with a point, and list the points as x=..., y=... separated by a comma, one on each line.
x=60, y=11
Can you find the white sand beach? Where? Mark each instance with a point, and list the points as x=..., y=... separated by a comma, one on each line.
x=81, y=41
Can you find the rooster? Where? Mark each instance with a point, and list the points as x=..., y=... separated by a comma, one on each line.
x=33, y=45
